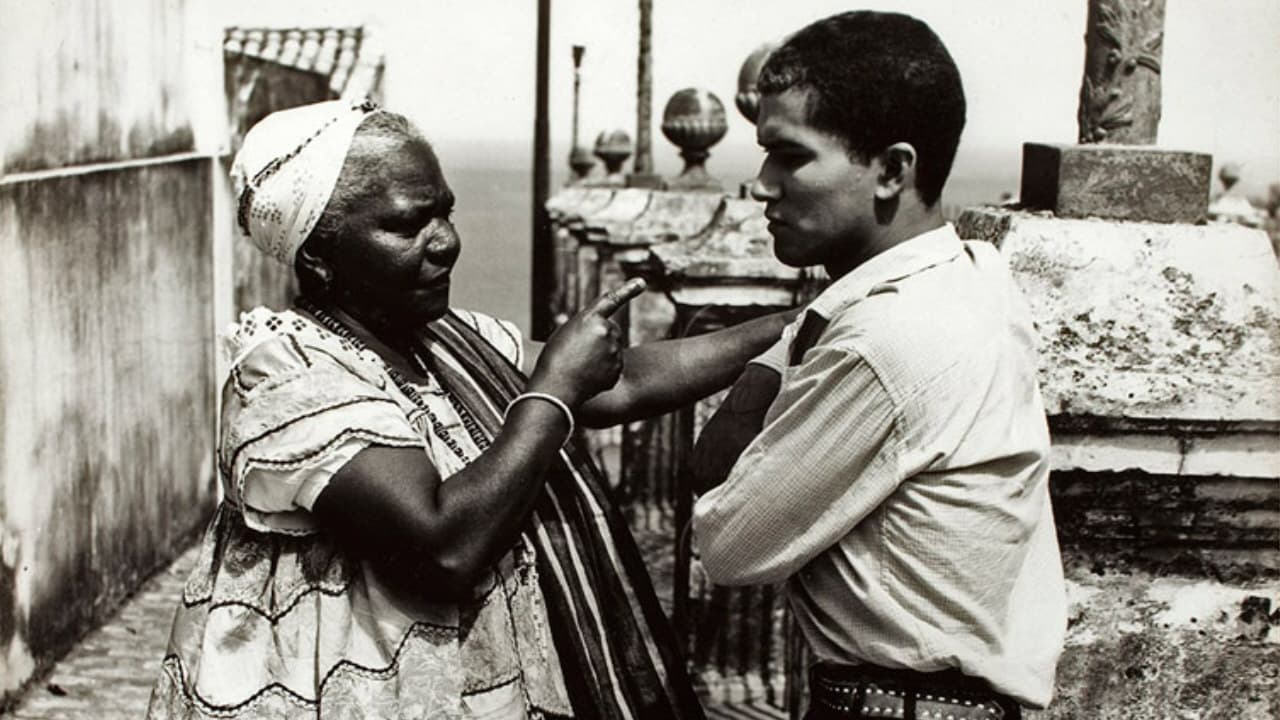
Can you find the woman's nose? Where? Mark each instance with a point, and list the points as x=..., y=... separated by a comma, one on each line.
x=445, y=245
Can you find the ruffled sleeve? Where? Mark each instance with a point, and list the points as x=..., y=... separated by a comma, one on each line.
x=293, y=414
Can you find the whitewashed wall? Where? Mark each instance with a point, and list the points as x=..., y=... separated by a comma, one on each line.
x=108, y=236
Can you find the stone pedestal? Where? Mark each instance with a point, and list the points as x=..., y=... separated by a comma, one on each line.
x=565, y=212
x=1147, y=322
x=1160, y=369
x=1117, y=182
x=723, y=275
x=597, y=231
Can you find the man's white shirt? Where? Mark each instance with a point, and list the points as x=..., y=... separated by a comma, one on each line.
x=900, y=482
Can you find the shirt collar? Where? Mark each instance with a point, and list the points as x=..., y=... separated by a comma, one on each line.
x=906, y=258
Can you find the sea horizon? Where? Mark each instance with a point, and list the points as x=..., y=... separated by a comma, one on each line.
x=493, y=185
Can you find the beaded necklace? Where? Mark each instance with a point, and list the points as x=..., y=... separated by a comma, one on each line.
x=337, y=327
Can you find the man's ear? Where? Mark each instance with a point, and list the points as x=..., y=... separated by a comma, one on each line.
x=897, y=171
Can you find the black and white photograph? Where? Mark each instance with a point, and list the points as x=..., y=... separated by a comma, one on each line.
x=639, y=360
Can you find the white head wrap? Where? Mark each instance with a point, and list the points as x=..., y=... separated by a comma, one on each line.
x=286, y=170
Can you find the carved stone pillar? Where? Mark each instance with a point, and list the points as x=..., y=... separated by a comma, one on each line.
x=644, y=175
x=1120, y=94
x=1115, y=173
x=597, y=271
x=645, y=489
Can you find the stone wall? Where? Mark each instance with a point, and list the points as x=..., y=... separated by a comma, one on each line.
x=108, y=239
x=106, y=376
x=1160, y=367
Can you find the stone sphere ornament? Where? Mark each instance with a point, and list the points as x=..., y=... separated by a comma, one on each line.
x=581, y=162
x=613, y=148
x=748, y=97
x=693, y=121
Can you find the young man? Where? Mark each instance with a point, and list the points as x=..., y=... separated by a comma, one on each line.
x=889, y=457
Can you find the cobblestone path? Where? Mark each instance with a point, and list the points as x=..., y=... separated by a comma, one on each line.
x=108, y=676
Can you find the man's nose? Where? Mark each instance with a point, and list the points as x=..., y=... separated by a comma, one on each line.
x=763, y=189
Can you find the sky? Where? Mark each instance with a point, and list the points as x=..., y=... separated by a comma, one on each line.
x=464, y=70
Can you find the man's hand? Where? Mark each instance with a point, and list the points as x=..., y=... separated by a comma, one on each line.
x=733, y=427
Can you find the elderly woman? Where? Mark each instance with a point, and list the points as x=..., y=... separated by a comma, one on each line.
x=408, y=530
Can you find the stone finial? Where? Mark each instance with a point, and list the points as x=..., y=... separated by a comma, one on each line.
x=694, y=120
x=581, y=161
x=1229, y=175
x=748, y=98
x=613, y=148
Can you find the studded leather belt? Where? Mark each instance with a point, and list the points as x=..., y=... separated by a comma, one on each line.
x=865, y=691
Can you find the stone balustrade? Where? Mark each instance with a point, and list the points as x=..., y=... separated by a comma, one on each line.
x=709, y=262
x=726, y=274
x=566, y=212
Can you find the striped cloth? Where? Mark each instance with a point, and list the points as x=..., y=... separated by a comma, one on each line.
x=619, y=655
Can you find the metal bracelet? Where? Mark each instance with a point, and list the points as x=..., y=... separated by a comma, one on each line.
x=568, y=414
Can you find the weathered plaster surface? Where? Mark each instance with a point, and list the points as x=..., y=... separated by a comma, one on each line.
x=106, y=382
x=613, y=221
x=673, y=215
x=123, y=81
x=735, y=246
x=1147, y=321
x=1143, y=647
x=1238, y=453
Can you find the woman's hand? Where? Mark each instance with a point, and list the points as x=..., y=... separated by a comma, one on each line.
x=584, y=356
x=433, y=538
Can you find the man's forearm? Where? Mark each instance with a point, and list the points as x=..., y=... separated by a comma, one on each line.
x=662, y=376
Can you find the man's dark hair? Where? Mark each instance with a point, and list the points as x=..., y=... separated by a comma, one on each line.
x=875, y=79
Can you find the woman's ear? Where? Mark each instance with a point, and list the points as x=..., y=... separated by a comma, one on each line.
x=897, y=171
x=313, y=271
